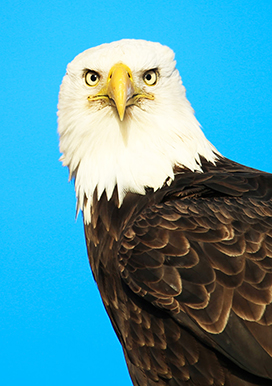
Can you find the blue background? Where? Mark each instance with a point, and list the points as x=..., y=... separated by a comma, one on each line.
x=53, y=328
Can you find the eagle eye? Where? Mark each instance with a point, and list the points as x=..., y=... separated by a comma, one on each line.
x=150, y=77
x=92, y=78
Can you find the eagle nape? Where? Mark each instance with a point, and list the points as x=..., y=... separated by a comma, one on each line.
x=179, y=237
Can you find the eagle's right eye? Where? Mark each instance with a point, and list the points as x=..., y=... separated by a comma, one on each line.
x=92, y=78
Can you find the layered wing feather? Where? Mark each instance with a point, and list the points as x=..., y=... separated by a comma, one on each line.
x=206, y=259
x=185, y=274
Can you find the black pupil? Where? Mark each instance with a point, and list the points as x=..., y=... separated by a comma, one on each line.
x=93, y=77
x=148, y=77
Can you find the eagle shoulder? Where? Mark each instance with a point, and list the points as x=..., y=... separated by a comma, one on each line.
x=204, y=256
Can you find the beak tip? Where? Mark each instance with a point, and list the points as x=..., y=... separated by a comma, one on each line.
x=121, y=113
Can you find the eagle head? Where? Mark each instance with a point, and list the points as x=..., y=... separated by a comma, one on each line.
x=124, y=121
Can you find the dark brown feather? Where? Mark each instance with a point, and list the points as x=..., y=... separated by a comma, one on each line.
x=185, y=274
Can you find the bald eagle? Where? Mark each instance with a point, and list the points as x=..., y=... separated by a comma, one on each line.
x=179, y=237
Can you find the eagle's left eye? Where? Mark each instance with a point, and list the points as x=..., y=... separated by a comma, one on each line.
x=150, y=77
x=92, y=78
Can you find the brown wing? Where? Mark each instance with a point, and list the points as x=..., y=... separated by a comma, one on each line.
x=206, y=259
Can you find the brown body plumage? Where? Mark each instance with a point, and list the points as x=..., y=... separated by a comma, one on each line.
x=185, y=275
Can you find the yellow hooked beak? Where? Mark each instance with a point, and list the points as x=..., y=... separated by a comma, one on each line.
x=120, y=90
x=120, y=87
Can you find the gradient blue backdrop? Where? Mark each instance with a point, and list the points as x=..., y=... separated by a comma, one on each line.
x=53, y=328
